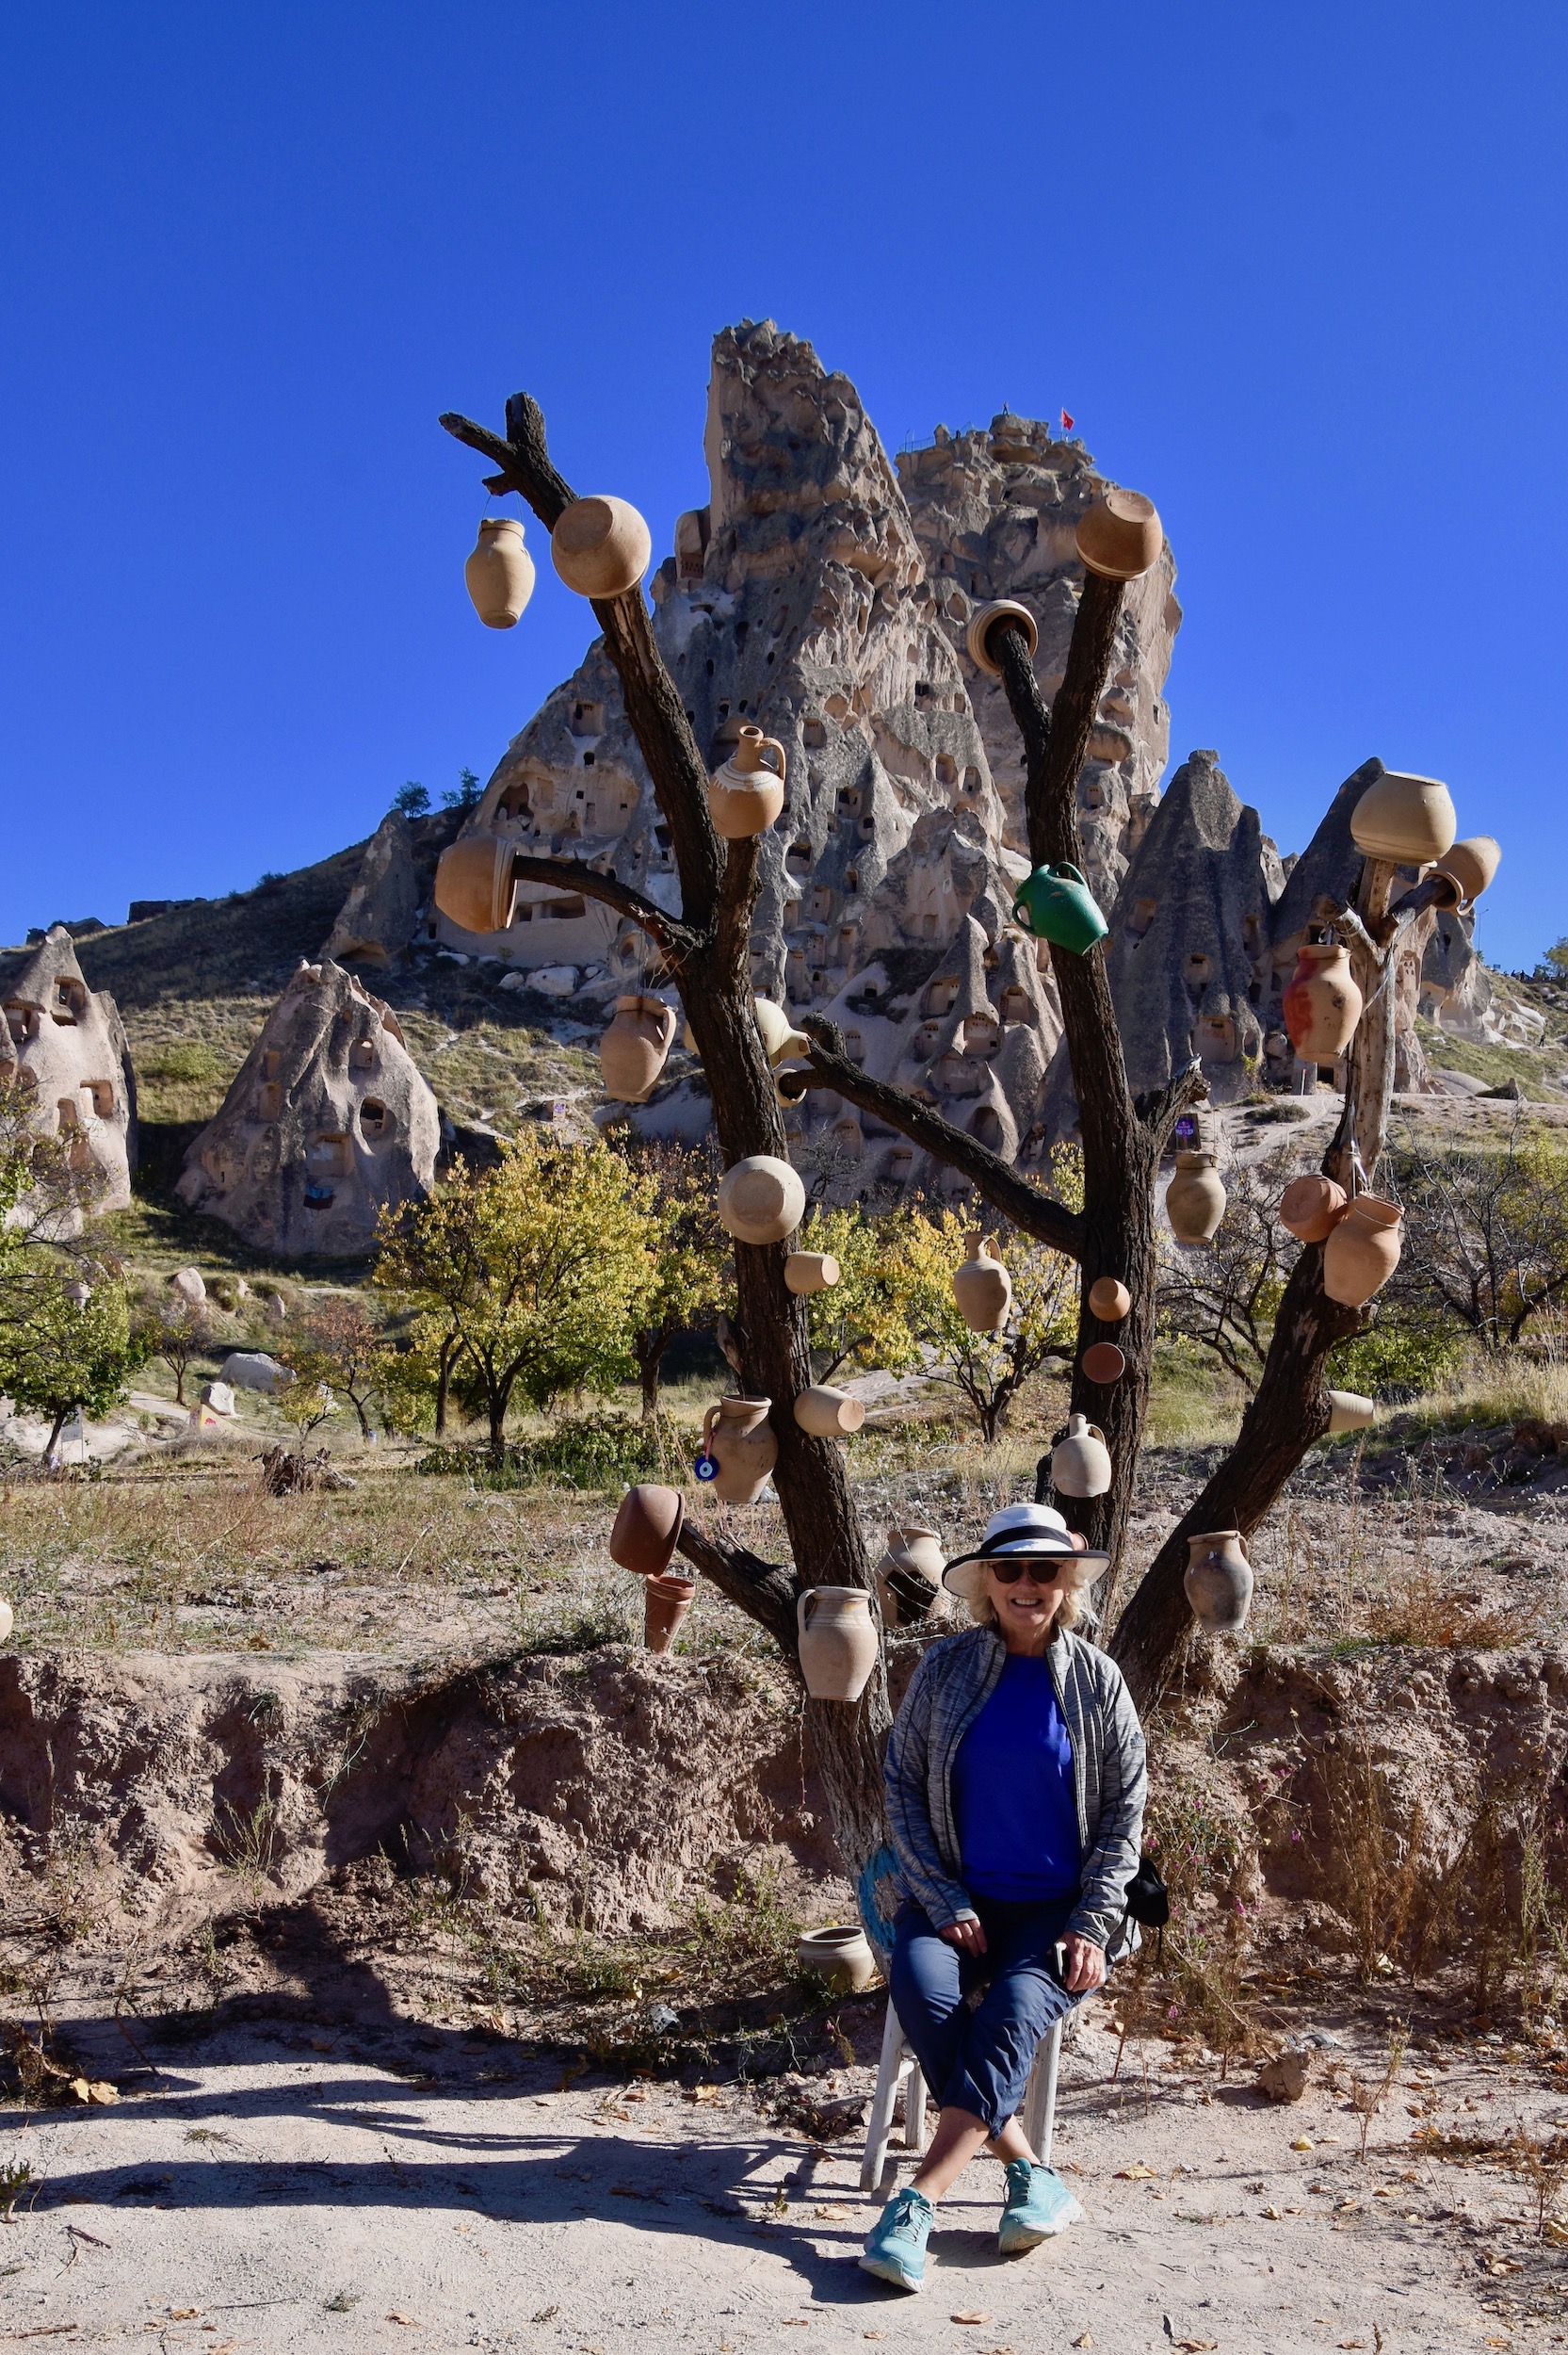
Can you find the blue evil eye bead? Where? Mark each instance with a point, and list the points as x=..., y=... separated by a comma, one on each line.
x=706, y=1468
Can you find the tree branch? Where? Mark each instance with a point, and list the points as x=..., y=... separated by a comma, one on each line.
x=577, y=875
x=763, y=1590
x=1050, y=1222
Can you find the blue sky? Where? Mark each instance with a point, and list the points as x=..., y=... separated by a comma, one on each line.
x=1295, y=273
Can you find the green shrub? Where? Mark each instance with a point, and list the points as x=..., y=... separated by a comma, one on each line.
x=595, y=1453
x=1397, y=1359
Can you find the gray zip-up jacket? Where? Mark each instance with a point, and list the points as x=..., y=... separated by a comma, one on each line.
x=949, y=1690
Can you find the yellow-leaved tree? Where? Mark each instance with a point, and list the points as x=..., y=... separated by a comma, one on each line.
x=528, y=1274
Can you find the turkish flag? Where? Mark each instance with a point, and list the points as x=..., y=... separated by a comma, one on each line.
x=1066, y=422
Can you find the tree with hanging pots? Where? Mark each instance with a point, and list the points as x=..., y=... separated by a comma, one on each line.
x=1112, y=1239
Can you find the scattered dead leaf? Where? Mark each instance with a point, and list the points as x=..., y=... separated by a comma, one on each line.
x=1137, y=2173
x=971, y=2313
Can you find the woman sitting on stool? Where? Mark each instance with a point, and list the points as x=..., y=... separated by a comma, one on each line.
x=1015, y=1789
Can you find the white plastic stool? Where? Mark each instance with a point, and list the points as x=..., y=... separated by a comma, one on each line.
x=899, y=2067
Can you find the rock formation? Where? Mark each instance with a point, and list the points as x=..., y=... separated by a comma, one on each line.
x=65, y=1045
x=377, y=920
x=328, y=1120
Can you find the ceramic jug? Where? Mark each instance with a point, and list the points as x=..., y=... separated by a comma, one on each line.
x=601, y=547
x=828, y=1414
x=1321, y=1004
x=841, y=1957
x=811, y=1271
x=1110, y=1299
x=1408, y=819
x=1363, y=1251
x=665, y=1603
x=838, y=1640
x=1195, y=1198
x=1080, y=1463
x=738, y=1439
x=1472, y=864
x=982, y=1287
x=1120, y=536
x=646, y=1528
x=1219, y=1580
x=761, y=1199
x=1311, y=1205
x=1350, y=1411
x=474, y=884
x=499, y=573
x=635, y=1049
x=746, y=794
x=779, y=1037
x=1056, y=904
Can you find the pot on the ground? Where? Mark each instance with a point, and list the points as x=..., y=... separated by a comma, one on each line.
x=838, y=1640
x=1219, y=1580
x=7, y=1618
x=841, y=1957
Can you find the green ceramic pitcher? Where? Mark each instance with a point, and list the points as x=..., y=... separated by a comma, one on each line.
x=1056, y=904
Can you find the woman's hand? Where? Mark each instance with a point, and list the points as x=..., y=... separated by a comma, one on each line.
x=968, y=1937
x=1086, y=1965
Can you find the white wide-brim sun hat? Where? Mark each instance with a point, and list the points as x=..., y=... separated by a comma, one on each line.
x=1028, y=1532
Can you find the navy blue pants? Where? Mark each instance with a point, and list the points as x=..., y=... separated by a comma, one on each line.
x=979, y=2060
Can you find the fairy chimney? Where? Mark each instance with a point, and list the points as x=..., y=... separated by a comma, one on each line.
x=376, y=922
x=328, y=1122
x=66, y=1048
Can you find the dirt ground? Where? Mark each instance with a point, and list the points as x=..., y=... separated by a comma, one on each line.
x=306, y=2184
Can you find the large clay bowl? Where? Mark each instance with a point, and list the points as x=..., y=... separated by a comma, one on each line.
x=1120, y=536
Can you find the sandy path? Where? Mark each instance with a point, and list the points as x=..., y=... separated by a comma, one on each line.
x=279, y=2190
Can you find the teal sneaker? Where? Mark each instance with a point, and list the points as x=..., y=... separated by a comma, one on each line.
x=1039, y=2206
x=895, y=2244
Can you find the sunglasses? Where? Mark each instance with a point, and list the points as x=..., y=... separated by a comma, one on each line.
x=1041, y=1570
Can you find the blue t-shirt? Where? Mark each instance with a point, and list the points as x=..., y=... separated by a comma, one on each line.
x=1013, y=1794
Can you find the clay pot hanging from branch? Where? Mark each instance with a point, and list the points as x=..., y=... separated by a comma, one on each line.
x=1195, y=1198
x=1311, y=1205
x=1406, y=818
x=1110, y=1299
x=1219, y=1580
x=980, y=623
x=746, y=794
x=761, y=1199
x=1363, y=1250
x=1350, y=1411
x=808, y=1272
x=474, y=882
x=1321, y=1004
x=982, y=1287
x=909, y=1576
x=666, y=1601
x=1080, y=1463
x=1120, y=536
x=636, y=1048
x=838, y=1640
x=1103, y=1363
x=601, y=548
x=500, y=572
x=828, y=1414
x=647, y=1528
x=739, y=1450
x=1056, y=904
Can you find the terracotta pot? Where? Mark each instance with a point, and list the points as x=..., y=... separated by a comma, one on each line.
x=664, y=1604
x=500, y=572
x=1195, y=1199
x=647, y=1526
x=838, y=1641
x=811, y=1271
x=746, y=794
x=473, y=883
x=842, y=1958
x=979, y=630
x=1219, y=1580
x=601, y=548
x=1120, y=536
x=7, y=1618
x=1472, y=864
x=1350, y=1411
x=1310, y=1206
x=636, y=1048
x=921, y=1548
x=1408, y=819
x=982, y=1287
x=1110, y=1299
x=1080, y=1463
x=828, y=1414
x=1102, y=1362
x=779, y=1037
x=736, y=1434
x=1363, y=1251
x=1321, y=1004
x=761, y=1199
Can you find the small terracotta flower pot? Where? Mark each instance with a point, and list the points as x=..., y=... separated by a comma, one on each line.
x=664, y=1604
x=1109, y=1300
x=647, y=1528
x=1103, y=1363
